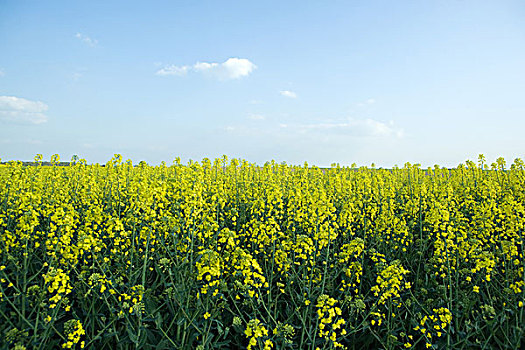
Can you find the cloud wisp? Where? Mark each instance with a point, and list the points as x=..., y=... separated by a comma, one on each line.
x=232, y=68
x=356, y=128
x=174, y=70
x=288, y=93
x=19, y=110
x=344, y=129
x=86, y=39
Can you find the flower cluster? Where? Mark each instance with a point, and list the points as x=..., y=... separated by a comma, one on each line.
x=57, y=282
x=74, y=331
x=349, y=258
x=209, y=269
x=330, y=320
x=255, y=332
x=390, y=283
x=434, y=324
x=246, y=271
x=132, y=302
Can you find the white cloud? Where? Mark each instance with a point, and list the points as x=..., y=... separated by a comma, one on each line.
x=232, y=68
x=288, y=93
x=86, y=39
x=235, y=68
x=257, y=117
x=20, y=110
x=174, y=70
x=205, y=66
x=1, y=72
x=357, y=128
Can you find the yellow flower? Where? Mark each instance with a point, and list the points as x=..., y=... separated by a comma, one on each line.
x=268, y=345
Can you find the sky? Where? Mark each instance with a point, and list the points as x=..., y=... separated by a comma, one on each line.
x=384, y=82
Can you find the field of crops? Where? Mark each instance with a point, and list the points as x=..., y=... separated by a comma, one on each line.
x=229, y=255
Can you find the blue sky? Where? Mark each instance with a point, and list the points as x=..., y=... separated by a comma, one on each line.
x=387, y=82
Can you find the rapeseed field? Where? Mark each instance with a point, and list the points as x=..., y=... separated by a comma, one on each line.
x=225, y=254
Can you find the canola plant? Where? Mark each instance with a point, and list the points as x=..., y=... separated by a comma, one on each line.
x=231, y=255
